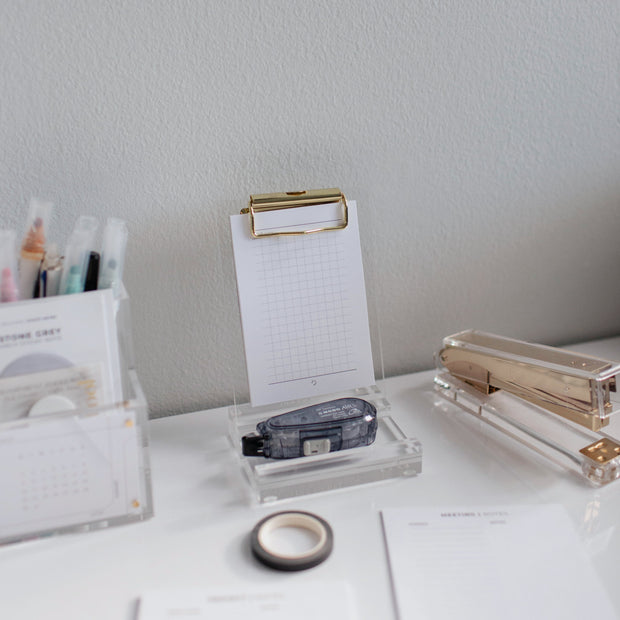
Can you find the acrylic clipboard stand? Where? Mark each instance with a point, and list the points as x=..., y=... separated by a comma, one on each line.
x=560, y=404
x=393, y=454
x=79, y=470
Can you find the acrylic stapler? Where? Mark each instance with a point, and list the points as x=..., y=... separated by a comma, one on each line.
x=576, y=389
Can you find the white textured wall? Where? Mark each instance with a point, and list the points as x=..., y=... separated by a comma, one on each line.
x=480, y=138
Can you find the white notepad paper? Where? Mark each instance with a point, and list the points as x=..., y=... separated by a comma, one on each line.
x=509, y=562
x=309, y=600
x=303, y=305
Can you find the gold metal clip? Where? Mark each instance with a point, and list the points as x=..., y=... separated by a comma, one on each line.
x=263, y=203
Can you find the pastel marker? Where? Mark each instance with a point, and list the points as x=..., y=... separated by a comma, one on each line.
x=74, y=281
x=33, y=247
x=9, y=291
x=113, y=250
x=8, y=288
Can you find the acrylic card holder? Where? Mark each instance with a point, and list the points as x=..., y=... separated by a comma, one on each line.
x=306, y=336
x=71, y=459
x=558, y=403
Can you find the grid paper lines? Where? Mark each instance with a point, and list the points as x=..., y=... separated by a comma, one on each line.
x=305, y=310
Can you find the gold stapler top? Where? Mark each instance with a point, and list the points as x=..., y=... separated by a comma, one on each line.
x=575, y=386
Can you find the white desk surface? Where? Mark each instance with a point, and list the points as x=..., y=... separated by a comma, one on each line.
x=199, y=535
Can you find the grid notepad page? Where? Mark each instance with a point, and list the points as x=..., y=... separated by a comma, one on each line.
x=303, y=307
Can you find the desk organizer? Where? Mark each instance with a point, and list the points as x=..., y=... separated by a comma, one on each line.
x=558, y=403
x=304, y=315
x=78, y=470
x=392, y=455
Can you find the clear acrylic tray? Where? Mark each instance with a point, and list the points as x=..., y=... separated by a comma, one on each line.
x=392, y=455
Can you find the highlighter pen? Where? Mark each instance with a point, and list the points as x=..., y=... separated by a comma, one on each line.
x=8, y=266
x=113, y=249
x=73, y=282
x=77, y=254
x=51, y=270
x=33, y=247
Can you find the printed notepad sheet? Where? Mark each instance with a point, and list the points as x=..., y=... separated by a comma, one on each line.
x=490, y=562
x=66, y=346
x=307, y=600
x=303, y=306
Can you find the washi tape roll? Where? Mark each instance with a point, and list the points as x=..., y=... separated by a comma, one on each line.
x=264, y=551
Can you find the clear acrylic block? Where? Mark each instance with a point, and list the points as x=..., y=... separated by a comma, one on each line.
x=392, y=455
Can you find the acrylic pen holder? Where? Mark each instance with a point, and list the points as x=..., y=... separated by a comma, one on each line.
x=80, y=469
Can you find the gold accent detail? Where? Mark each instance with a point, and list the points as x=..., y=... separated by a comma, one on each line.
x=560, y=390
x=135, y=503
x=128, y=423
x=535, y=352
x=259, y=203
x=602, y=451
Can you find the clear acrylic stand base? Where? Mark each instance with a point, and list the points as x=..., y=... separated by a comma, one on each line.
x=592, y=454
x=392, y=455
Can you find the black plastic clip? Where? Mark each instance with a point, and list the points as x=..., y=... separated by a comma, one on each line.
x=252, y=445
